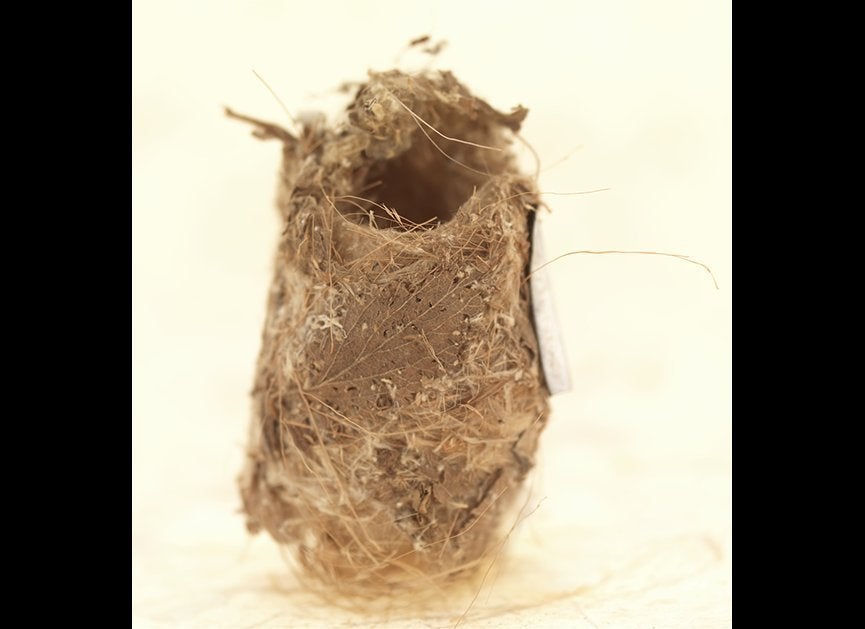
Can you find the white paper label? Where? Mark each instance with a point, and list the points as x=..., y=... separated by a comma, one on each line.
x=553, y=359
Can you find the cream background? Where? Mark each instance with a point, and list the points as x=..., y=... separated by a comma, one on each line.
x=636, y=527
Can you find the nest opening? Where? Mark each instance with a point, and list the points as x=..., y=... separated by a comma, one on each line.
x=423, y=186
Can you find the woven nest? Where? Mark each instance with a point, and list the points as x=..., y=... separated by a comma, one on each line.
x=399, y=396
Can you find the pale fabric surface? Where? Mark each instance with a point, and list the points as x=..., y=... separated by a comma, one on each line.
x=636, y=528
